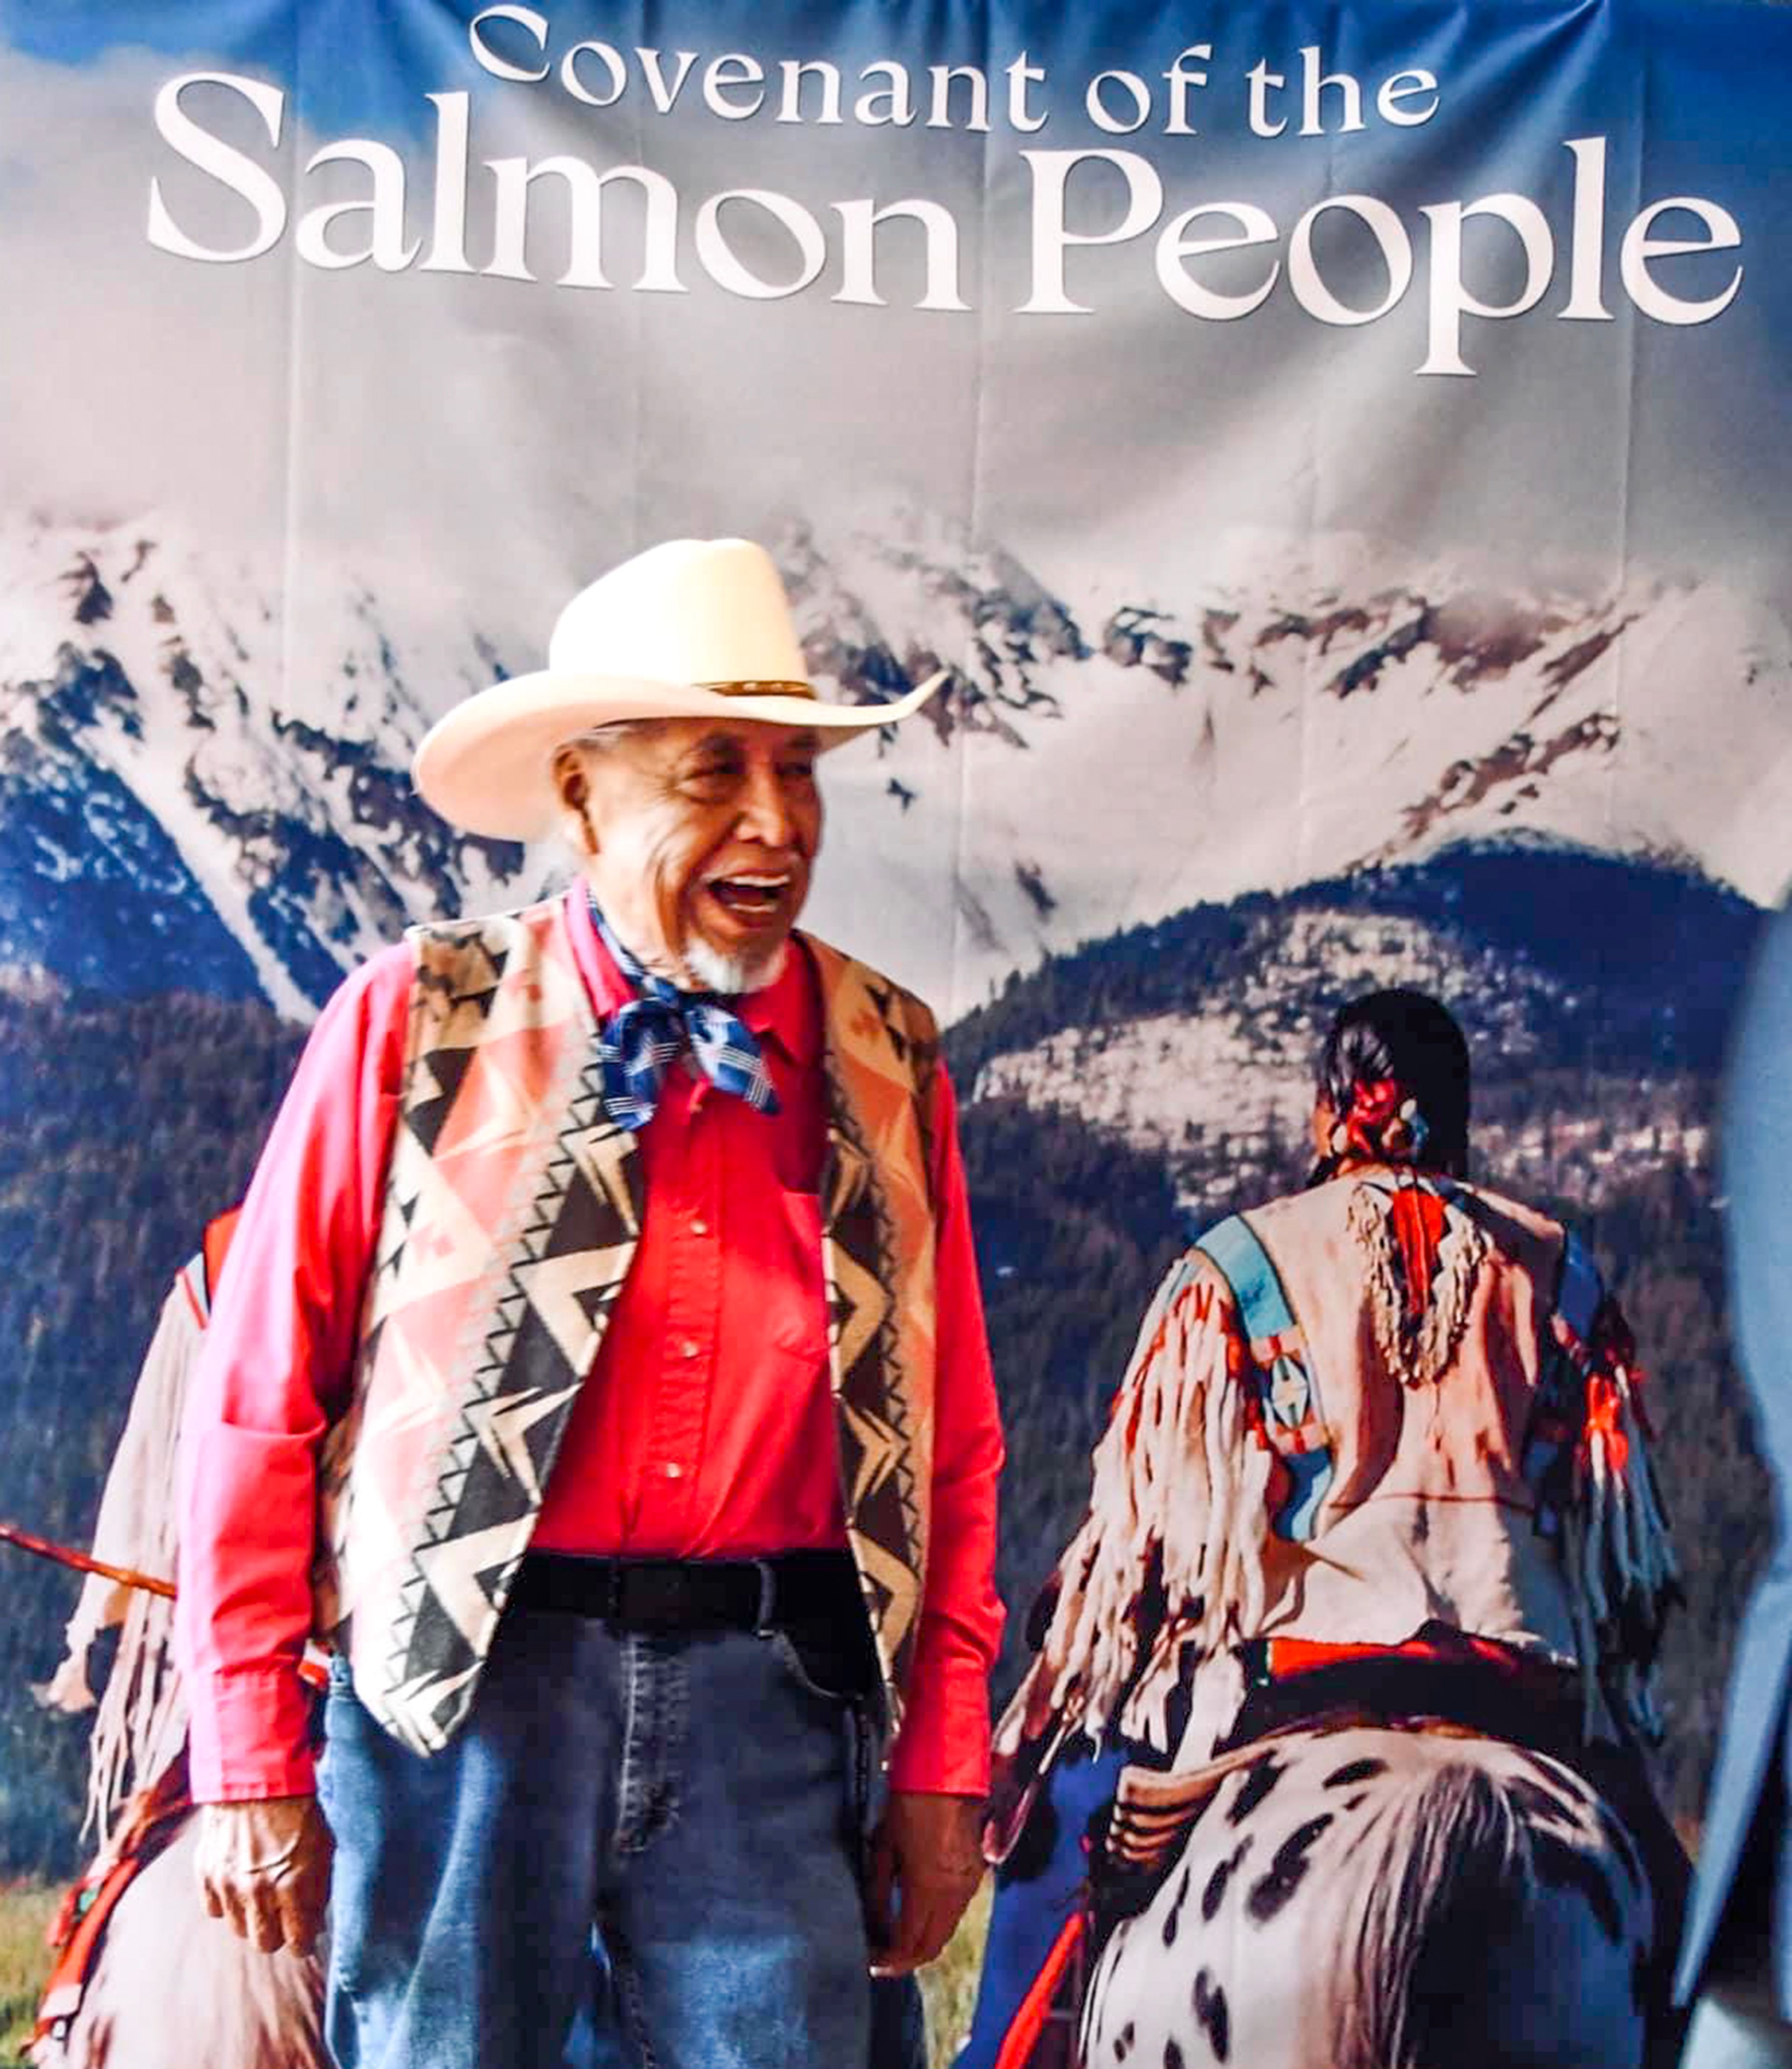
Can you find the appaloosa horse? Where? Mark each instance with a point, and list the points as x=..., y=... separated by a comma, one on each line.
x=1365, y=1897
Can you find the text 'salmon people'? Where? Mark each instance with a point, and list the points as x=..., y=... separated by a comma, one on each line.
x=1099, y=217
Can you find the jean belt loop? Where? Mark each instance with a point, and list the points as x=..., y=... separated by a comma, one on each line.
x=763, y=1625
x=613, y=1594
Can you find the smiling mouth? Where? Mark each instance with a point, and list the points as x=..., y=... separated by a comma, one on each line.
x=752, y=900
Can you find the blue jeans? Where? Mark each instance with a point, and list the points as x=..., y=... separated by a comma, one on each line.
x=898, y=2028
x=694, y=1797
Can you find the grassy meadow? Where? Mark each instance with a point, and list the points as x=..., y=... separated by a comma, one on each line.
x=949, y=1987
x=26, y=1910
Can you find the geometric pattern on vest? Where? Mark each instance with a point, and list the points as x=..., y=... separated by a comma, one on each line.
x=511, y=1216
x=881, y=1052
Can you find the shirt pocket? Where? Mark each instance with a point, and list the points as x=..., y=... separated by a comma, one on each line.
x=799, y=1325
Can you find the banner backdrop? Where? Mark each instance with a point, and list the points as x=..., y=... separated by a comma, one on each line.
x=1341, y=453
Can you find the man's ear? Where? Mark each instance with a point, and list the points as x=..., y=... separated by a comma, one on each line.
x=569, y=779
x=574, y=786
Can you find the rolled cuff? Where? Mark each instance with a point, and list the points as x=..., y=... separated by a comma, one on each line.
x=943, y=1747
x=250, y=1737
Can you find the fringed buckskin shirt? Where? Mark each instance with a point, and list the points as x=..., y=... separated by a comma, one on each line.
x=706, y=1429
x=1389, y=1401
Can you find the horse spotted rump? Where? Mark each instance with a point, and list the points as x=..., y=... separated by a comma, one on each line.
x=1367, y=1897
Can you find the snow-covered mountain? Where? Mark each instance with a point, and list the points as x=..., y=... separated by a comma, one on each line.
x=186, y=802
x=1595, y=994
x=1300, y=709
x=202, y=782
x=1218, y=1089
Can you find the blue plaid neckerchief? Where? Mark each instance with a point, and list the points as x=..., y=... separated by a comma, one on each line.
x=645, y=1035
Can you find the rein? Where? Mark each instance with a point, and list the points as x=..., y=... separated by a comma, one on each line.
x=82, y=1562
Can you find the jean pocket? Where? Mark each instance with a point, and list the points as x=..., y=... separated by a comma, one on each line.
x=831, y=1668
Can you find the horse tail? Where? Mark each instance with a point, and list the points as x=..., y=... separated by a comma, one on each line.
x=1446, y=1869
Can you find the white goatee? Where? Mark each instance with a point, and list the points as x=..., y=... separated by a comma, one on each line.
x=733, y=975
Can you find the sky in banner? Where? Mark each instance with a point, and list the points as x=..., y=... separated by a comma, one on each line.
x=1016, y=406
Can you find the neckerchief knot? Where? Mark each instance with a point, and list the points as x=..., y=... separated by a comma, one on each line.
x=643, y=1038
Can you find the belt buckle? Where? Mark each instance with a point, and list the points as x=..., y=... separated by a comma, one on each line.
x=763, y=1625
x=656, y=1596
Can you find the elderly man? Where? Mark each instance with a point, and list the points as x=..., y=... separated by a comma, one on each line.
x=600, y=1372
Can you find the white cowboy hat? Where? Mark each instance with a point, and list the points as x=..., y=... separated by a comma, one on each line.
x=696, y=628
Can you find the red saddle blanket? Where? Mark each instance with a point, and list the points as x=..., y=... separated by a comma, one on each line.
x=150, y=1821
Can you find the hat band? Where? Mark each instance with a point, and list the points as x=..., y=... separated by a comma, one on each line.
x=773, y=689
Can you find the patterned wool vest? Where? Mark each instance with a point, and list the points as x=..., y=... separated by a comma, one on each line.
x=513, y=1210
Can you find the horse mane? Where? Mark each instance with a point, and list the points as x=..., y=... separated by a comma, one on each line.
x=171, y=1988
x=1445, y=1870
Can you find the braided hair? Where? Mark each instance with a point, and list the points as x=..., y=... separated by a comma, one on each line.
x=1394, y=1070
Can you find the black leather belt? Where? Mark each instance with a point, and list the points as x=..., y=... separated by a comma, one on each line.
x=791, y=1590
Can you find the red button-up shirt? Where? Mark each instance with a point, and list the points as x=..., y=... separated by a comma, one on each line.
x=706, y=1430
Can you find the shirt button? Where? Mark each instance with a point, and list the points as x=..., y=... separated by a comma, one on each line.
x=689, y=1347
x=699, y=1227
x=672, y=1470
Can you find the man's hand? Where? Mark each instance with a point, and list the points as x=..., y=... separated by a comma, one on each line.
x=926, y=1859
x=265, y=1866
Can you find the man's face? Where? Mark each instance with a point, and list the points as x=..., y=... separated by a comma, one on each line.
x=706, y=830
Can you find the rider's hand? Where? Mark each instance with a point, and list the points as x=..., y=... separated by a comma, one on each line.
x=265, y=1867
